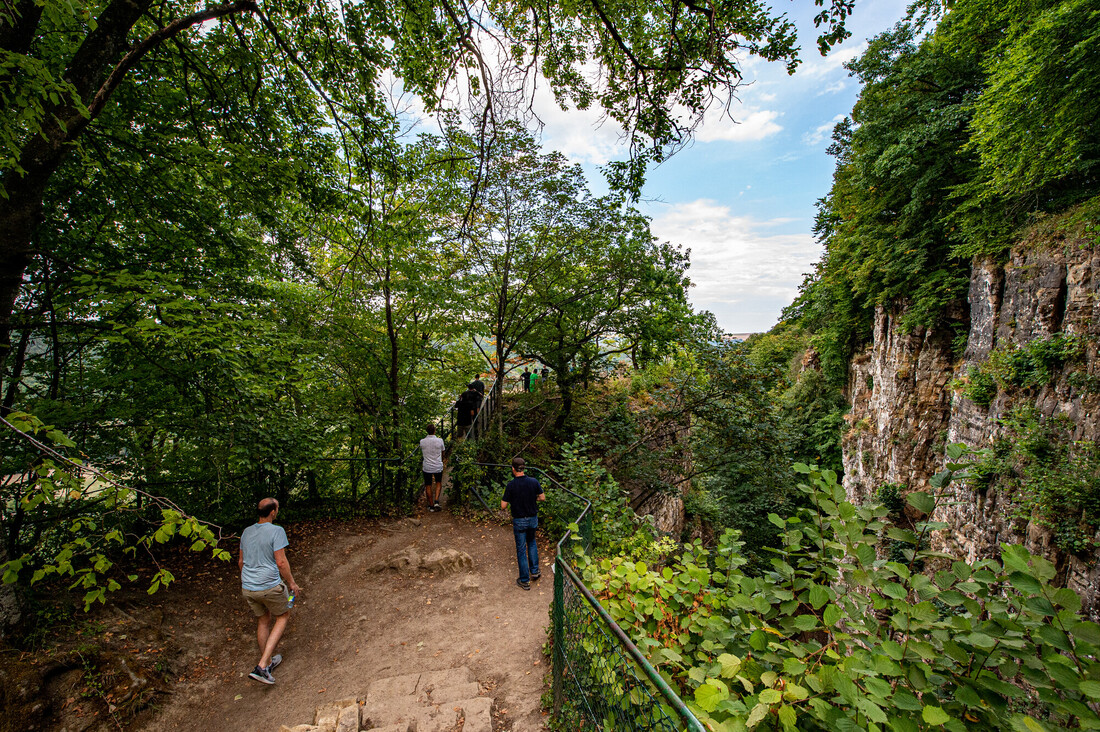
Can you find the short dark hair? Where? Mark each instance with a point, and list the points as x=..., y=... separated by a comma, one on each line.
x=518, y=464
x=431, y=429
x=471, y=385
x=266, y=506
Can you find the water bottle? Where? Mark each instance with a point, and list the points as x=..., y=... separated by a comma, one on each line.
x=290, y=601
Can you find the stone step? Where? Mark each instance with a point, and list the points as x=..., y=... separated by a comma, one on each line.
x=429, y=701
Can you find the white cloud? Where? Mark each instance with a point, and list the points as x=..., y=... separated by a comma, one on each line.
x=589, y=136
x=835, y=88
x=582, y=135
x=747, y=126
x=734, y=259
x=832, y=63
x=819, y=133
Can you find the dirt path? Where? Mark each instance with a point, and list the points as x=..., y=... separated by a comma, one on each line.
x=353, y=626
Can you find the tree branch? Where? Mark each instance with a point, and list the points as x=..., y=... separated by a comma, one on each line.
x=137, y=53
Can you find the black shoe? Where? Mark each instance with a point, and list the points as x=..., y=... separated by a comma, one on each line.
x=535, y=576
x=262, y=675
x=521, y=583
x=436, y=507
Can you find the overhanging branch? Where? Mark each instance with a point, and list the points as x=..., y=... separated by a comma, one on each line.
x=138, y=52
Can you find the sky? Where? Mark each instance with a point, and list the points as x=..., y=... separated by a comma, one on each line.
x=742, y=196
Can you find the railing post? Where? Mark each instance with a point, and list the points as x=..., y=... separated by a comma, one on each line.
x=586, y=531
x=559, y=638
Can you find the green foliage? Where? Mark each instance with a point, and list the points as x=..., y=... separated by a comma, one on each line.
x=810, y=405
x=1053, y=479
x=833, y=636
x=979, y=386
x=615, y=527
x=739, y=443
x=82, y=520
x=883, y=222
x=1034, y=124
x=1037, y=362
x=890, y=496
x=1010, y=367
x=963, y=134
x=566, y=279
x=811, y=413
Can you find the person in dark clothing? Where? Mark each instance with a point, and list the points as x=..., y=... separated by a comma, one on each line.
x=479, y=385
x=545, y=373
x=466, y=406
x=526, y=377
x=523, y=494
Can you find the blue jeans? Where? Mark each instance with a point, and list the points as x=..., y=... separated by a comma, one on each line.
x=527, y=551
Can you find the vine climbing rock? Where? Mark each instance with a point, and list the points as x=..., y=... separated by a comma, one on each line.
x=429, y=701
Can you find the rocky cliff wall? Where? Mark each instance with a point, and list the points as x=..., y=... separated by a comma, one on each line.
x=904, y=409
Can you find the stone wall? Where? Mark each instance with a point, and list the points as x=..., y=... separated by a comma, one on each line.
x=904, y=410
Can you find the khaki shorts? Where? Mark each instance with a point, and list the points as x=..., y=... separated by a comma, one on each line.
x=264, y=601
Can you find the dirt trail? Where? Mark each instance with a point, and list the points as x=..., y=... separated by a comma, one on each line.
x=353, y=626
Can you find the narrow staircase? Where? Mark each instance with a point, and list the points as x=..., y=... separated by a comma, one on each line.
x=446, y=700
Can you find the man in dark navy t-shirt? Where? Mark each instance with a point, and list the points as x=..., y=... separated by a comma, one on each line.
x=523, y=495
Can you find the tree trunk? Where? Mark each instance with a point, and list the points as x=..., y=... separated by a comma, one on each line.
x=11, y=605
x=44, y=151
x=565, y=388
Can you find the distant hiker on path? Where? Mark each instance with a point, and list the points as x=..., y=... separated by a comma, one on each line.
x=432, y=448
x=526, y=377
x=523, y=494
x=545, y=373
x=265, y=577
x=467, y=405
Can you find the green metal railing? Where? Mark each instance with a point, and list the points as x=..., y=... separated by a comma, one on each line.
x=600, y=678
x=607, y=680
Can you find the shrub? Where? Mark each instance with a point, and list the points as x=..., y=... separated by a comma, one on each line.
x=979, y=387
x=1035, y=363
x=614, y=525
x=1054, y=480
x=835, y=638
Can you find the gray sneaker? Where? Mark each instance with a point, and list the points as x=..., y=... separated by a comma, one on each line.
x=275, y=661
x=262, y=675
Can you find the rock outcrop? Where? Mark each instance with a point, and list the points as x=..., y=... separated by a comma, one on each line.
x=409, y=560
x=904, y=410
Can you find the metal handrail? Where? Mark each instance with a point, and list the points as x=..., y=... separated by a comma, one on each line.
x=564, y=571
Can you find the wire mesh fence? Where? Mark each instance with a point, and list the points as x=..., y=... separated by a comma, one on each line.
x=603, y=686
x=601, y=680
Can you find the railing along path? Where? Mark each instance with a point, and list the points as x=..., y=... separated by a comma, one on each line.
x=600, y=678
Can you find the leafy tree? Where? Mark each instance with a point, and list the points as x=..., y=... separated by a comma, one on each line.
x=884, y=221
x=527, y=197
x=65, y=67
x=608, y=290
x=59, y=517
x=1034, y=125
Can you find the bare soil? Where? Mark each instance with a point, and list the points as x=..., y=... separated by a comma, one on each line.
x=350, y=626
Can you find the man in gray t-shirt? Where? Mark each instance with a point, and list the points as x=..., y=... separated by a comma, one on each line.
x=432, y=448
x=265, y=580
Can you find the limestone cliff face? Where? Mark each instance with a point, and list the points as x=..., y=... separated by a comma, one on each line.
x=904, y=410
